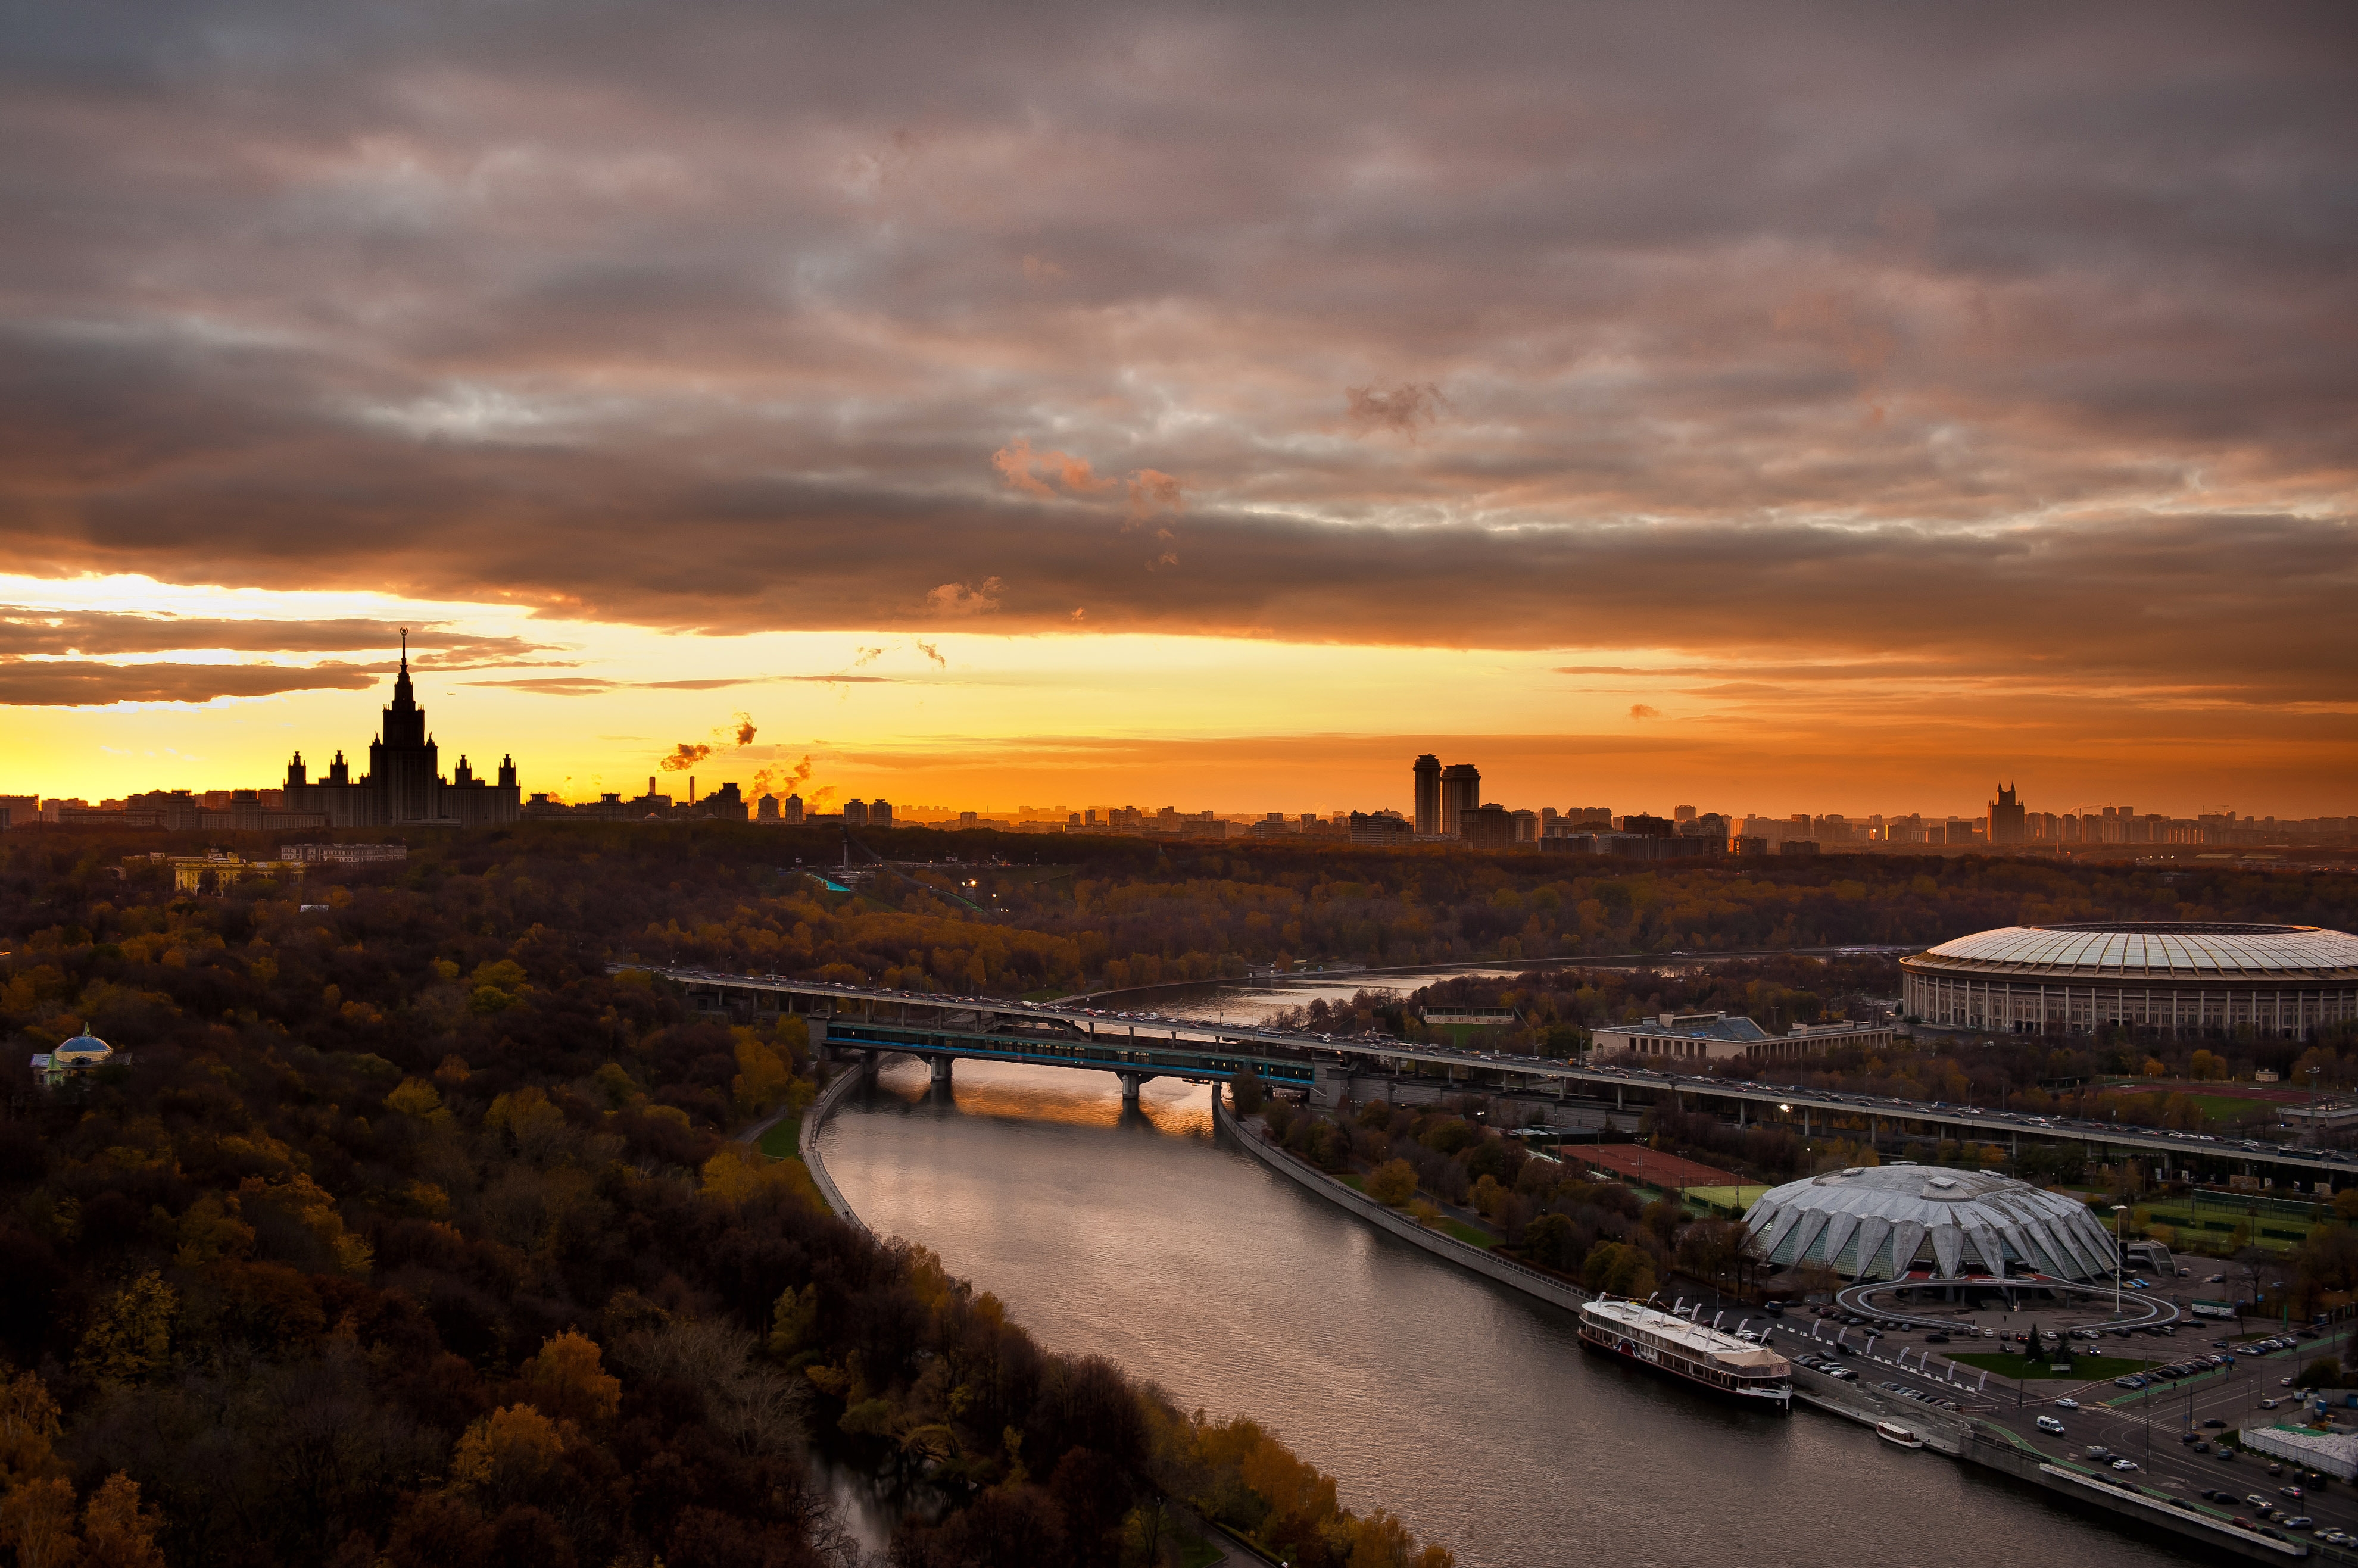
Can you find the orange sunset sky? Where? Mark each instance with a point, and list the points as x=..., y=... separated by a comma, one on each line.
x=1762, y=408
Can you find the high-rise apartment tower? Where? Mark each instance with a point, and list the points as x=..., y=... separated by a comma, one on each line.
x=1461, y=791
x=1428, y=795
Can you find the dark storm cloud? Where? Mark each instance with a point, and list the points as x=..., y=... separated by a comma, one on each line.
x=26, y=631
x=2015, y=343
x=81, y=683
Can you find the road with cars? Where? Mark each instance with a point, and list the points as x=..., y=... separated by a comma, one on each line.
x=2201, y=1383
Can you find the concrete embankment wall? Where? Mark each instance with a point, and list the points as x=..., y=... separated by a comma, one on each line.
x=844, y=1083
x=1530, y=1282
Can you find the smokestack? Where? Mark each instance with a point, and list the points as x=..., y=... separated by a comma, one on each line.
x=651, y=784
x=691, y=789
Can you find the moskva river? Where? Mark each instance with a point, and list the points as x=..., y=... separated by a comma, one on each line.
x=1469, y=1411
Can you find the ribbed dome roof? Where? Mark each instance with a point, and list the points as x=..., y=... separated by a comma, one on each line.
x=1884, y=1221
x=2153, y=948
x=82, y=1048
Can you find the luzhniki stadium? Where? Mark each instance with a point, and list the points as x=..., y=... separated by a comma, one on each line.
x=2178, y=978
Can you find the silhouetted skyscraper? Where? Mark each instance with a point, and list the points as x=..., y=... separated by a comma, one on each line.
x=404, y=781
x=1428, y=794
x=1461, y=791
x=2005, y=817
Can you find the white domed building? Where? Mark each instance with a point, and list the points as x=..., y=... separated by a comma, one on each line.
x=83, y=1051
x=2179, y=978
x=1890, y=1222
x=75, y=1057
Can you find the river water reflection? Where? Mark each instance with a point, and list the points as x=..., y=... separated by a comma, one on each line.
x=1469, y=1411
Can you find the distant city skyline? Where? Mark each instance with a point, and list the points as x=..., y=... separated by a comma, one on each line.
x=1424, y=789
x=1801, y=410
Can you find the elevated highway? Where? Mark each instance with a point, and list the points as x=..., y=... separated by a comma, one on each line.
x=1140, y=1046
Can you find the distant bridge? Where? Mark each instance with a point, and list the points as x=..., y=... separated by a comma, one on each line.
x=1138, y=1047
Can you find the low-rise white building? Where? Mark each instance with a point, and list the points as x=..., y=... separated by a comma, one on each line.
x=1718, y=1037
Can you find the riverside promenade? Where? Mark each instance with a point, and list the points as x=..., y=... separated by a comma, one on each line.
x=1979, y=1443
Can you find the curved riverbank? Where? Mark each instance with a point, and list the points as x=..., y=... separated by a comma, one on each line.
x=1974, y=1443
x=1530, y=1282
x=1469, y=1409
x=814, y=1122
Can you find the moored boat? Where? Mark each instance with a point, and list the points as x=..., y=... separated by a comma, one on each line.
x=1717, y=1361
x=1892, y=1432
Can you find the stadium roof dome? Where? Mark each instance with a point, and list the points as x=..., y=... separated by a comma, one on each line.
x=1883, y=1222
x=2151, y=949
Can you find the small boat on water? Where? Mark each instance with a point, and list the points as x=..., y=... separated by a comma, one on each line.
x=1893, y=1433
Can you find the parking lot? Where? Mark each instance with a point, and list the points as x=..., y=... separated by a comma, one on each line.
x=2164, y=1426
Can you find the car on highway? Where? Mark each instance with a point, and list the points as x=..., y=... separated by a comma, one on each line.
x=2049, y=1424
x=2125, y=1464
x=2067, y=1404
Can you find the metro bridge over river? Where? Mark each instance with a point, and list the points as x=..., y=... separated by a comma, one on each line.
x=1138, y=1047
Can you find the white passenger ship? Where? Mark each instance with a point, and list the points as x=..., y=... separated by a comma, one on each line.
x=1705, y=1356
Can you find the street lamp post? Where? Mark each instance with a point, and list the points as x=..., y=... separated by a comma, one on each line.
x=2118, y=1210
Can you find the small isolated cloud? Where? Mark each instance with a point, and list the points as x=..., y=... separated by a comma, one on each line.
x=1644, y=710
x=965, y=598
x=1403, y=409
x=743, y=726
x=933, y=653
x=1152, y=492
x=1045, y=474
x=686, y=757
x=1080, y=614
x=557, y=686
x=1040, y=269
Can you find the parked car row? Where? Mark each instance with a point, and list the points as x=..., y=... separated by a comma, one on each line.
x=1828, y=1367
x=2192, y=1367
x=1906, y=1392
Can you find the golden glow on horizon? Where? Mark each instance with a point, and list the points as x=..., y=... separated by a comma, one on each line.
x=967, y=719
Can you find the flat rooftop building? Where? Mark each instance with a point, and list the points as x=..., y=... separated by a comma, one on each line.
x=1718, y=1037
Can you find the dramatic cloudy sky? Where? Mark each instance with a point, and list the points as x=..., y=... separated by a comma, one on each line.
x=1770, y=407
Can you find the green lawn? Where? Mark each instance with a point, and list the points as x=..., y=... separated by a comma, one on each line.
x=1195, y=1552
x=1737, y=1198
x=1466, y=1233
x=2083, y=1367
x=783, y=1141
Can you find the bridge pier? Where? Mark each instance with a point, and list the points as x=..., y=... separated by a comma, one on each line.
x=942, y=1073
x=1130, y=1086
